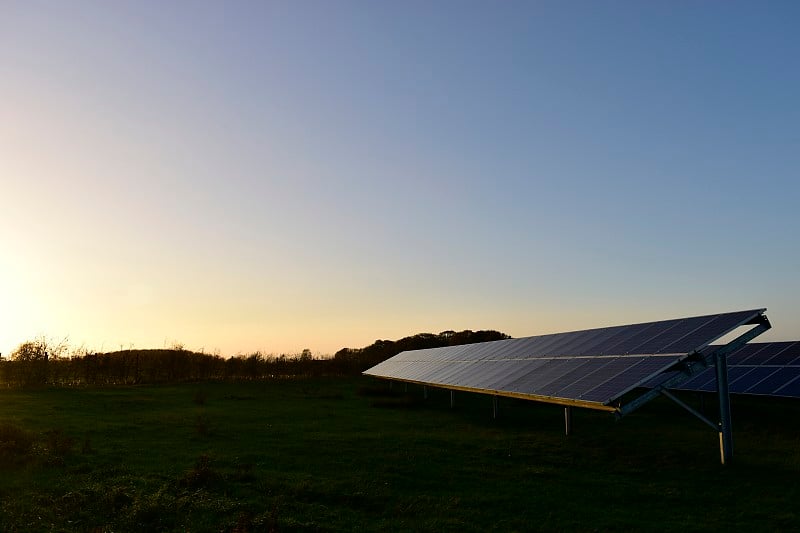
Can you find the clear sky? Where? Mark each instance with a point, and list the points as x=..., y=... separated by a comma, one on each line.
x=253, y=175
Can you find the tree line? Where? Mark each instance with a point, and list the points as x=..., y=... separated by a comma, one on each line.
x=43, y=362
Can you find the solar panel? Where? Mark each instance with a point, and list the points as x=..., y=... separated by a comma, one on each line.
x=767, y=369
x=791, y=389
x=590, y=368
x=628, y=379
x=774, y=382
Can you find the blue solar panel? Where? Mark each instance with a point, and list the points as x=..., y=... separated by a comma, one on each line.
x=777, y=380
x=745, y=352
x=605, y=343
x=791, y=389
x=544, y=345
x=611, y=367
x=628, y=380
x=736, y=373
x=786, y=353
x=547, y=365
x=581, y=369
x=710, y=385
x=697, y=381
x=756, y=375
x=533, y=381
x=629, y=345
x=765, y=369
x=572, y=341
x=699, y=337
x=507, y=371
x=665, y=340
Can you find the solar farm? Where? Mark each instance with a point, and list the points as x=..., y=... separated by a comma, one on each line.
x=617, y=369
x=462, y=438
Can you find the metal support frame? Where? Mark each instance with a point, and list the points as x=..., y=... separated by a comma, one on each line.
x=725, y=433
x=689, y=367
x=568, y=420
x=719, y=359
x=452, y=399
x=689, y=408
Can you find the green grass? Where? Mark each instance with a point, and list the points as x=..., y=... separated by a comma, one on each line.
x=332, y=455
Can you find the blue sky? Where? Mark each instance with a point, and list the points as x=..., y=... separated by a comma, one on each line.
x=242, y=176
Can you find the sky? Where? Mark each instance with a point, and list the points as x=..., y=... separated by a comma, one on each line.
x=272, y=176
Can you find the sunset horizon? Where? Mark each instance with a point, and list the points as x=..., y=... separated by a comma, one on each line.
x=274, y=177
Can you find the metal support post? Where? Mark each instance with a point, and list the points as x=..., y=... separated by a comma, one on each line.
x=425, y=392
x=494, y=406
x=725, y=433
x=568, y=420
x=452, y=398
x=694, y=368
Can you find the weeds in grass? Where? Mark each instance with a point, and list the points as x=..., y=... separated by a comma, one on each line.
x=321, y=394
x=86, y=448
x=56, y=447
x=15, y=442
x=373, y=391
x=201, y=475
x=18, y=445
x=202, y=425
x=290, y=461
x=399, y=402
x=267, y=522
x=154, y=512
x=244, y=473
x=238, y=397
x=200, y=397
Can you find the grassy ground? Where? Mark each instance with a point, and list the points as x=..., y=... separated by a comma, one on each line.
x=334, y=455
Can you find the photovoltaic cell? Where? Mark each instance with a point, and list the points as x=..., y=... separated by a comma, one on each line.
x=627, y=380
x=710, y=384
x=604, y=372
x=775, y=382
x=571, y=342
x=698, y=338
x=533, y=381
x=791, y=389
x=670, y=335
x=736, y=373
x=578, y=370
x=766, y=369
x=701, y=378
x=755, y=376
x=745, y=352
x=790, y=355
x=626, y=345
x=589, y=367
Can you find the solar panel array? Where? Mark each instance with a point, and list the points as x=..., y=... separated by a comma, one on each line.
x=591, y=368
x=767, y=369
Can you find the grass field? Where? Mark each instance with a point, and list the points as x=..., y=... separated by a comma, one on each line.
x=337, y=455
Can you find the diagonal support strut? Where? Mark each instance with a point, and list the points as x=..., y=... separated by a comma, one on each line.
x=719, y=359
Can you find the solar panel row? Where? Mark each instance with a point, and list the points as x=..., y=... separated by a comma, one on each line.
x=591, y=367
x=597, y=380
x=770, y=369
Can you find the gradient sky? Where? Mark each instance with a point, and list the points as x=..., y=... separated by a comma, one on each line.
x=241, y=176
